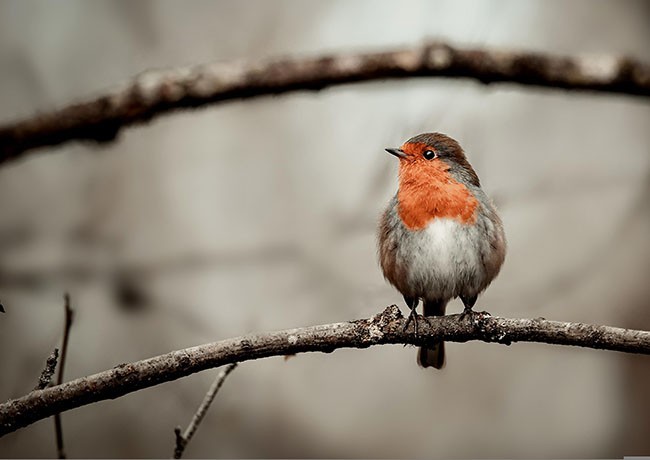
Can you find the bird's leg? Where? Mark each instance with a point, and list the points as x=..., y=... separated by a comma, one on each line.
x=467, y=312
x=468, y=302
x=412, y=303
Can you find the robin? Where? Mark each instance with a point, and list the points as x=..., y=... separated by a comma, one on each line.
x=440, y=236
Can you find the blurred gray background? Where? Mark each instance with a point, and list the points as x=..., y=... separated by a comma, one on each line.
x=260, y=215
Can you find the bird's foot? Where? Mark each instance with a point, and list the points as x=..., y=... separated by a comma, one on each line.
x=413, y=316
x=472, y=315
x=468, y=313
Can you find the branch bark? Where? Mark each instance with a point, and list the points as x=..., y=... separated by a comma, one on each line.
x=156, y=92
x=383, y=328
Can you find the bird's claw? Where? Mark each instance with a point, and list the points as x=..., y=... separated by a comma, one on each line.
x=467, y=313
x=413, y=316
x=473, y=315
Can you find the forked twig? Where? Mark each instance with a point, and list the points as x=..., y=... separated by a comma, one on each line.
x=182, y=439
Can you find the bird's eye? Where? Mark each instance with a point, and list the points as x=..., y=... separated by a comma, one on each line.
x=429, y=154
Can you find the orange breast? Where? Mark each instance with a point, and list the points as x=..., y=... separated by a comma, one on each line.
x=427, y=191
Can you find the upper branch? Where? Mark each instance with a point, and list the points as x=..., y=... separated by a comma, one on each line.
x=156, y=92
x=384, y=328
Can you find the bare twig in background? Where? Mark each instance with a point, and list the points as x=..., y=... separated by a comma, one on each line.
x=157, y=92
x=183, y=439
x=69, y=315
x=50, y=366
x=383, y=328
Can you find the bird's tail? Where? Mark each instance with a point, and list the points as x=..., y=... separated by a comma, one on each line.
x=433, y=355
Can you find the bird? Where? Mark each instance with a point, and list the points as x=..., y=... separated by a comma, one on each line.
x=440, y=237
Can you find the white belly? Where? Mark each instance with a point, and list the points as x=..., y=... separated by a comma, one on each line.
x=445, y=260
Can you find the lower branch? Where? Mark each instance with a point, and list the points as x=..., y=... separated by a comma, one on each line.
x=383, y=328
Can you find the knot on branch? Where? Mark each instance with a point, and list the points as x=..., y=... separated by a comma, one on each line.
x=45, y=379
x=387, y=316
x=437, y=55
x=380, y=324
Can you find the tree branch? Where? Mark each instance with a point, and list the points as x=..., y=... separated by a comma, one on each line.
x=183, y=439
x=58, y=426
x=157, y=92
x=383, y=328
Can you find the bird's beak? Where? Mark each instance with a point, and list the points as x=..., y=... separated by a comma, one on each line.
x=399, y=153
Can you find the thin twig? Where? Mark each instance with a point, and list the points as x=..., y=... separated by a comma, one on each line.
x=183, y=439
x=383, y=328
x=50, y=367
x=156, y=92
x=69, y=316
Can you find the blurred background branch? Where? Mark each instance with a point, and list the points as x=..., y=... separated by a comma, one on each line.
x=156, y=92
x=58, y=424
x=384, y=328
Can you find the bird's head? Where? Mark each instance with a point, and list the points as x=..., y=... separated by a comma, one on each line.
x=434, y=155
